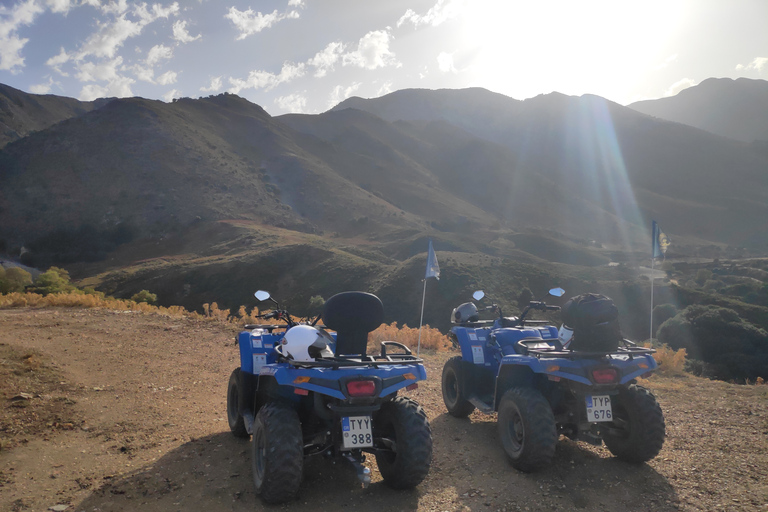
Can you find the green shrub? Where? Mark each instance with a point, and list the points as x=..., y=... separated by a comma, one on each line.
x=53, y=280
x=144, y=296
x=732, y=348
x=14, y=279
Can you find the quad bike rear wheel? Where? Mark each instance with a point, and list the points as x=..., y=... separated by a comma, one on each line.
x=453, y=389
x=527, y=429
x=638, y=430
x=235, y=419
x=277, y=453
x=402, y=430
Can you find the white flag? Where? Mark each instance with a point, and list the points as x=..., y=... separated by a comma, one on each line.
x=433, y=269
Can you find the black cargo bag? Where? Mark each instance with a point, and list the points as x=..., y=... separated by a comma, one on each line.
x=594, y=319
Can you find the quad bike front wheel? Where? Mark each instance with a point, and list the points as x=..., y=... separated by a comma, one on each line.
x=277, y=453
x=235, y=419
x=453, y=389
x=637, y=431
x=527, y=429
x=402, y=431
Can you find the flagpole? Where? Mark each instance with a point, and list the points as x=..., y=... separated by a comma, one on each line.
x=423, y=296
x=651, y=335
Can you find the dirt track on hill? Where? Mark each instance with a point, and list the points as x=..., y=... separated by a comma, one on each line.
x=108, y=411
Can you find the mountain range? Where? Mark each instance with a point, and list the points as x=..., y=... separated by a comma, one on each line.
x=573, y=180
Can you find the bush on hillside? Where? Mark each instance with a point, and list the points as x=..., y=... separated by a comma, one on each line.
x=732, y=348
x=53, y=280
x=144, y=296
x=662, y=313
x=14, y=279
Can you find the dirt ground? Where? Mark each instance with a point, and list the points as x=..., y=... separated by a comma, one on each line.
x=114, y=411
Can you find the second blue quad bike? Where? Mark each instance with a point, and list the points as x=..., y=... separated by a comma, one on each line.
x=302, y=391
x=578, y=381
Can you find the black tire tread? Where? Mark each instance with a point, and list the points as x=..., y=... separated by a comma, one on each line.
x=461, y=408
x=539, y=425
x=284, y=458
x=234, y=418
x=414, y=443
x=647, y=427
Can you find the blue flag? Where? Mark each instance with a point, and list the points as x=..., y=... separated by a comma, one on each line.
x=433, y=269
x=660, y=242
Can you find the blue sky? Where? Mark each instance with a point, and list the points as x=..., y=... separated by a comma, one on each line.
x=308, y=55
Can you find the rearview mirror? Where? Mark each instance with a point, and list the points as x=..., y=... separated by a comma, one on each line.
x=261, y=295
x=557, y=292
x=479, y=294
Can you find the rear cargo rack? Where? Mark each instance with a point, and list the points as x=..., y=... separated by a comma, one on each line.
x=572, y=354
x=340, y=362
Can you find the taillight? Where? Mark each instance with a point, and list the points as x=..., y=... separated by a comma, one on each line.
x=361, y=388
x=605, y=376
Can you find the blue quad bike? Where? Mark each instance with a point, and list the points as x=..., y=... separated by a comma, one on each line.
x=541, y=387
x=302, y=391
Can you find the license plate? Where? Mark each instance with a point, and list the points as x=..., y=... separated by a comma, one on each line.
x=599, y=408
x=356, y=431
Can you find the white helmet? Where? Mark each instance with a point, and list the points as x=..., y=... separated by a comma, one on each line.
x=305, y=343
x=466, y=312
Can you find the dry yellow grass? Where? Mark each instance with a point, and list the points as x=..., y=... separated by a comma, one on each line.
x=670, y=361
x=431, y=338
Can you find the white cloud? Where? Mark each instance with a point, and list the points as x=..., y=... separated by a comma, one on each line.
x=105, y=71
x=119, y=87
x=295, y=3
x=441, y=12
x=56, y=61
x=145, y=74
x=372, y=52
x=265, y=80
x=292, y=103
x=679, y=86
x=11, y=44
x=149, y=15
x=445, y=62
x=113, y=7
x=59, y=5
x=757, y=65
x=167, y=78
x=669, y=60
x=250, y=22
x=180, y=33
x=158, y=52
x=41, y=88
x=340, y=93
x=385, y=88
x=327, y=58
x=216, y=85
x=109, y=37
x=170, y=95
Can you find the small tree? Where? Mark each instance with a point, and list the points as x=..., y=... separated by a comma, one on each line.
x=145, y=296
x=53, y=280
x=14, y=279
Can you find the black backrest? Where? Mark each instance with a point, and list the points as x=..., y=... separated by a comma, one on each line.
x=352, y=315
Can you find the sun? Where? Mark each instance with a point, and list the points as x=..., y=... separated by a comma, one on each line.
x=527, y=48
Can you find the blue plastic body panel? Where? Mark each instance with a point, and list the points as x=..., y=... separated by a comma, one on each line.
x=257, y=357
x=579, y=369
x=494, y=348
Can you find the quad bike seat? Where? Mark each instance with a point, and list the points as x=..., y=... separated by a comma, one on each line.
x=352, y=315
